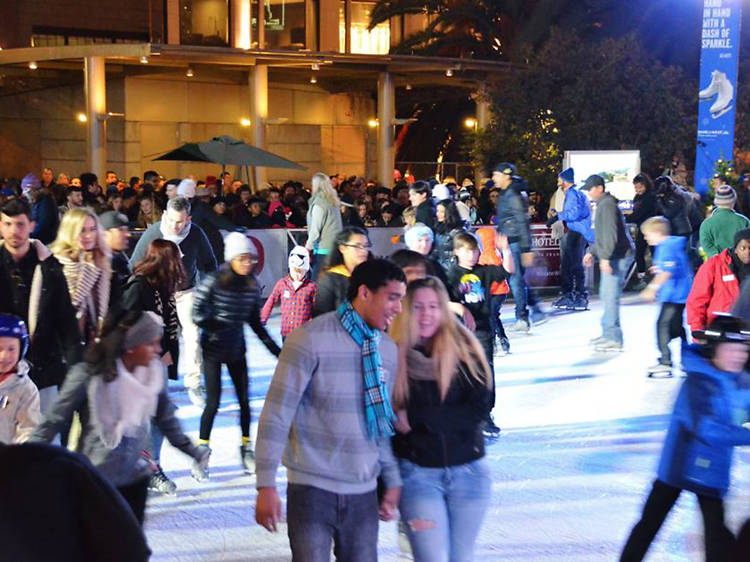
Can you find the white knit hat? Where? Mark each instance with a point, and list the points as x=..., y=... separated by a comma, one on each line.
x=299, y=257
x=235, y=244
x=186, y=188
x=441, y=192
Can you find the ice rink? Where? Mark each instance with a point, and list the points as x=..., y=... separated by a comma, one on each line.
x=581, y=436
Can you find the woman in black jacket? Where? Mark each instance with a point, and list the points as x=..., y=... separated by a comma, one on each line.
x=645, y=206
x=351, y=247
x=448, y=224
x=224, y=302
x=443, y=393
x=152, y=289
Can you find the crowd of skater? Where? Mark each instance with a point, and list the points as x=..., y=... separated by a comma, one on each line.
x=383, y=392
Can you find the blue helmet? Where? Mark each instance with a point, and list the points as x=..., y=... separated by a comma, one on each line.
x=14, y=327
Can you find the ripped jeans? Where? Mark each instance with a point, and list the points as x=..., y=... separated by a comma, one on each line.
x=443, y=508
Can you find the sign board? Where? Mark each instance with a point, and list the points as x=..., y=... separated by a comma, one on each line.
x=617, y=167
x=720, y=42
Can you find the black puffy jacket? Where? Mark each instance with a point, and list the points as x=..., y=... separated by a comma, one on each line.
x=674, y=207
x=443, y=432
x=224, y=301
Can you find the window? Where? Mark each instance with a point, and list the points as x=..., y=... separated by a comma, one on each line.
x=204, y=22
x=375, y=42
x=284, y=24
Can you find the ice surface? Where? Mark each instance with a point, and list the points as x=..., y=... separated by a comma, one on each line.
x=581, y=437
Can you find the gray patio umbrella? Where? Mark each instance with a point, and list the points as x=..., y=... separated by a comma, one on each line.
x=227, y=150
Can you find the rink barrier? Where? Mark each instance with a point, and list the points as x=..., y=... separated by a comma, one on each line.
x=273, y=246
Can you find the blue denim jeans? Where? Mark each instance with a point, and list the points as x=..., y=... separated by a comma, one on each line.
x=316, y=517
x=610, y=291
x=443, y=509
x=523, y=295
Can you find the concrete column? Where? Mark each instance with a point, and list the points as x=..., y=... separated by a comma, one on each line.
x=386, y=116
x=96, y=114
x=173, y=22
x=259, y=114
x=240, y=14
x=329, y=26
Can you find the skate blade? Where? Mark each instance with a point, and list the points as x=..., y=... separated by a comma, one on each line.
x=722, y=112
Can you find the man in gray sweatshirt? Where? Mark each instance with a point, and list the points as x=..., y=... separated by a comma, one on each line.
x=613, y=246
x=321, y=421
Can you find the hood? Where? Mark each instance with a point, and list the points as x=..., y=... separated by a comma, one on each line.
x=22, y=371
x=694, y=362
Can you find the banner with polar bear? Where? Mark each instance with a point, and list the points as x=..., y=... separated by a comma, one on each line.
x=720, y=42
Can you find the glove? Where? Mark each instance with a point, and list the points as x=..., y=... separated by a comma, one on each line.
x=552, y=220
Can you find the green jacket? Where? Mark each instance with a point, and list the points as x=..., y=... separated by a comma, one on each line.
x=717, y=231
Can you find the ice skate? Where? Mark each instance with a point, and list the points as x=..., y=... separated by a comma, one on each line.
x=564, y=302
x=580, y=302
x=199, y=470
x=520, y=325
x=712, y=88
x=247, y=456
x=161, y=483
x=538, y=316
x=607, y=346
x=490, y=430
x=724, y=91
x=505, y=345
x=660, y=370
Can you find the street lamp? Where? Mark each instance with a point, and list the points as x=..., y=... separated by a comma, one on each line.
x=470, y=123
x=372, y=123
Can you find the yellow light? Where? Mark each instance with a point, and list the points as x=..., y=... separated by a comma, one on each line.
x=449, y=72
x=470, y=123
x=408, y=86
x=372, y=123
x=144, y=60
x=245, y=122
x=313, y=80
x=32, y=65
x=81, y=117
x=189, y=73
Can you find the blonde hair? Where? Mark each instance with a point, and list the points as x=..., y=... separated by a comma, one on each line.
x=656, y=224
x=66, y=244
x=321, y=187
x=452, y=344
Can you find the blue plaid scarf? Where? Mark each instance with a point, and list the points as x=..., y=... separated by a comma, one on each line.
x=379, y=414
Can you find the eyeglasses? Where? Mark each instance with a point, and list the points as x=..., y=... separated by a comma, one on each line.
x=358, y=246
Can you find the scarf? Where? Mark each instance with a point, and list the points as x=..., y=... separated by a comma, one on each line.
x=124, y=406
x=176, y=238
x=379, y=414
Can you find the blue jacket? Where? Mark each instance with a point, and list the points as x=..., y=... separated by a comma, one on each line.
x=706, y=425
x=44, y=213
x=577, y=214
x=671, y=256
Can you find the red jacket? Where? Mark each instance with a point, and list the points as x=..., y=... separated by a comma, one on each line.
x=715, y=289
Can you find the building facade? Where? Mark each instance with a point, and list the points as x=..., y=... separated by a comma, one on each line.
x=100, y=85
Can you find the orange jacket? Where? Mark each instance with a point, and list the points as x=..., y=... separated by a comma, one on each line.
x=490, y=256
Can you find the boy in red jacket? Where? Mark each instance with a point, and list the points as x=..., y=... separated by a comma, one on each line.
x=295, y=291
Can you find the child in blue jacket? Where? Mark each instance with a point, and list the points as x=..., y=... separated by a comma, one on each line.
x=706, y=425
x=671, y=284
